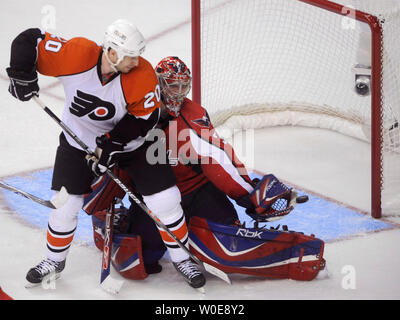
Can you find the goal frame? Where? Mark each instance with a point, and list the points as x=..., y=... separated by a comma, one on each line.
x=376, y=84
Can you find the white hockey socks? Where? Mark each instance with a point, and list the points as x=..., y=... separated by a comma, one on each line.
x=61, y=228
x=166, y=205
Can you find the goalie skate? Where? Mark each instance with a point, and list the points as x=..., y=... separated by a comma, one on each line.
x=45, y=272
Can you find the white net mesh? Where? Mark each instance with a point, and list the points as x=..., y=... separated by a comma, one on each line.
x=284, y=62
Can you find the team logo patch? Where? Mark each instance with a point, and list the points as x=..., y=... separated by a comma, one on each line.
x=203, y=122
x=96, y=109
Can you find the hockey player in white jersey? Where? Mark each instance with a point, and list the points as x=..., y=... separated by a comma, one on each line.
x=112, y=100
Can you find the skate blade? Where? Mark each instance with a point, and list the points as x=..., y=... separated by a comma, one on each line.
x=30, y=285
x=48, y=282
x=201, y=290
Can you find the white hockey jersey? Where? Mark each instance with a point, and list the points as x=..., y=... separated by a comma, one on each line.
x=92, y=107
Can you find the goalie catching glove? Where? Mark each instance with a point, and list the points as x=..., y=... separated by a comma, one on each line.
x=270, y=200
x=105, y=154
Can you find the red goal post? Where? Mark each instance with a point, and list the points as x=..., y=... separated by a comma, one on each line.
x=376, y=113
x=376, y=96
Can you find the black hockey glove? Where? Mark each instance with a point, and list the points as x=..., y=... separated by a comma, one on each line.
x=23, y=85
x=105, y=152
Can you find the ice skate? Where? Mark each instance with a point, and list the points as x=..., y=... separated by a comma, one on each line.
x=190, y=271
x=46, y=269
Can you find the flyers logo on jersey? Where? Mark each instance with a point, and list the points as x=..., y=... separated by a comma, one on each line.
x=87, y=104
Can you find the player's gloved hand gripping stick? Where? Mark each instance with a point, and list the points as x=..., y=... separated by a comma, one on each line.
x=222, y=275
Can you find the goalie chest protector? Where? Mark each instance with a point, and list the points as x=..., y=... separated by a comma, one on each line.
x=258, y=252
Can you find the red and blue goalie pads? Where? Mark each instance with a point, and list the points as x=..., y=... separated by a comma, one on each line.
x=126, y=252
x=257, y=252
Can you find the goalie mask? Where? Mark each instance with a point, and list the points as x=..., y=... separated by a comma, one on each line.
x=175, y=81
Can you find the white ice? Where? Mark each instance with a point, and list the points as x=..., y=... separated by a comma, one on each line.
x=29, y=139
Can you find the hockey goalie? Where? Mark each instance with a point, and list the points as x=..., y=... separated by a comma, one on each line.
x=209, y=176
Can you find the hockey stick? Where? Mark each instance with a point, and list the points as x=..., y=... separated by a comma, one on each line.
x=55, y=203
x=209, y=268
x=107, y=282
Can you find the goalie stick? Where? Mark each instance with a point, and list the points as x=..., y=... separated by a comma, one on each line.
x=54, y=203
x=107, y=281
x=209, y=268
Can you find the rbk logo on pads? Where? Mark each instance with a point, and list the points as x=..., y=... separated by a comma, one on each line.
x=94, y=107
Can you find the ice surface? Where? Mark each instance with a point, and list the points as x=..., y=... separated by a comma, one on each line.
x=29, y=139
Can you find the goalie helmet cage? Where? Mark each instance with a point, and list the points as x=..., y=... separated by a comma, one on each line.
x=297, y=58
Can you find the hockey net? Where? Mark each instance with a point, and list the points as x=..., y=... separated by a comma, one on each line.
x=287, y=62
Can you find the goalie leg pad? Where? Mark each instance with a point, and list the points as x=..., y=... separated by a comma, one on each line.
x=258, y=252
x=126, y=252
x=126, y=256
